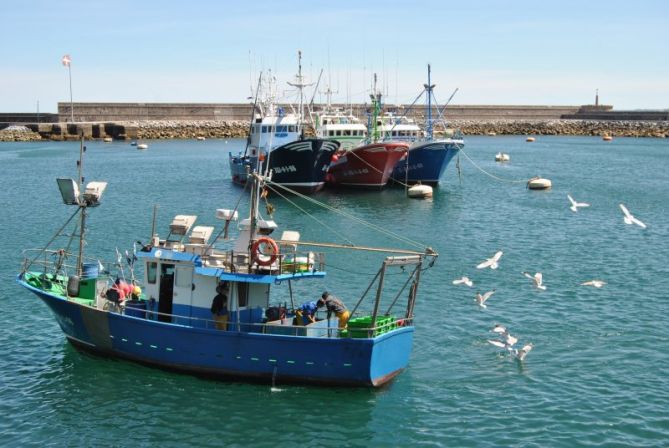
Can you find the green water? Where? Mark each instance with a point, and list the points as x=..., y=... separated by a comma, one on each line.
x=598, y=374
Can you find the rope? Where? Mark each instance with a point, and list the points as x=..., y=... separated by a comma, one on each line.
x=380, y=229
x=513, y=181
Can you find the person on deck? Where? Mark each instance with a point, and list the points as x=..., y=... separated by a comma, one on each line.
x=334, y=305
x=306, y=313
x=219, y=306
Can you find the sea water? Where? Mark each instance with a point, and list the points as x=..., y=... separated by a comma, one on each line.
x=598, y=374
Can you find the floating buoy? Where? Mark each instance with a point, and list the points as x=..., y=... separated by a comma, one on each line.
x=539, y=183
x=530, y=139
x=199, y=137
x=107, y=139
x=607, y=138
x=492, y=134
x=142, y=146
x=502, y=157
x=420, y=191
x=133, y=143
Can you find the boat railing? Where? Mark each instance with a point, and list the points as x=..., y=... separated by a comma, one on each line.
x=288, y=261
x=58, y=261
x=286, y=327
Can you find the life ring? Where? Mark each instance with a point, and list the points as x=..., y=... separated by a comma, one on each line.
x=261, y=254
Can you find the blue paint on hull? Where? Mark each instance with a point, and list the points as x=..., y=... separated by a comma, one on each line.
x=426, y=162
x=321, y=360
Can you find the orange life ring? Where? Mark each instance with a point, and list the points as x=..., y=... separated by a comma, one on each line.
x=259, y=251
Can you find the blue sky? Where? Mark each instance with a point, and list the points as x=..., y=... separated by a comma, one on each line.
x=494, y=52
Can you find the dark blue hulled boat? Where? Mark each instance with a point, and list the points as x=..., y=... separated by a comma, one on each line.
x=428, y=157
x=277, y=139
x=163, y=316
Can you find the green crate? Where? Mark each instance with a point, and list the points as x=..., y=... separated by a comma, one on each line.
x=360, y=327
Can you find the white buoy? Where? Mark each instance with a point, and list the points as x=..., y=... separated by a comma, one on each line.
x=530, y=139
x=142, y=146
x=502, y=157
x=199, y=137
x=420, y=191
x=539, y=183
x=107, y=139
x=607, y=138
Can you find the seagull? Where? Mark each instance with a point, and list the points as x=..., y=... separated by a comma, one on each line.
x=629, y=219
x=491, y=262
x=463, y=280
x=575, y=205
x=537, y=279
x=595, y=283
x=509, y=340
x=522, y=353
x=480, y=299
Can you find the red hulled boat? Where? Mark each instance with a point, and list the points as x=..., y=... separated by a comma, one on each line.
x=368, y=166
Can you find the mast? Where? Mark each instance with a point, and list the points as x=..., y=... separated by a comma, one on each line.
x=428, y=87
x=376, y=104
x=299, y=83
x=82, y=221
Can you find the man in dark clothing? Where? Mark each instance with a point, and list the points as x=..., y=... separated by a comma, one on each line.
x=219, y=306
x=334, y=305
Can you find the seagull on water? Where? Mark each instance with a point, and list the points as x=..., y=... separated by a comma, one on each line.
x=509, y=340
x=538, y=280
x=522, y=353
x=629, y=219
x=480, y=299
x=492, y=262
x=463, y=281
x=575, y=205
x=595, y=283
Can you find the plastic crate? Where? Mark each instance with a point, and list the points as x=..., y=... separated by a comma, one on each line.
x=360, y=327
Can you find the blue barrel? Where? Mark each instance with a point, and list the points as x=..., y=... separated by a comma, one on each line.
x=89, y=270
x=135, y=308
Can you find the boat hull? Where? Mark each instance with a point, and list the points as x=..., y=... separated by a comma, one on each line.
x=426, y=162
x=233, y=354
x=368, y=166
x=300, y=165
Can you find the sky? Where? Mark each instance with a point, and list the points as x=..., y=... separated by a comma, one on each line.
x=512, y=52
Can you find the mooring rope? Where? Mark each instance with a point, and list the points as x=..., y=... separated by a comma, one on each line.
x=513, y=181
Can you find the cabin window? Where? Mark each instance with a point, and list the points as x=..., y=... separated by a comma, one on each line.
x=338, y=132
x=242, y=294
x=291, y=128
x=347, y=132
x=331, y=133
x=184, y=277
x=151, y=270
x=282, y=129
x=264, y=129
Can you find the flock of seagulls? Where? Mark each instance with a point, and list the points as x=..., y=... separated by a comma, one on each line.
x=507, y=341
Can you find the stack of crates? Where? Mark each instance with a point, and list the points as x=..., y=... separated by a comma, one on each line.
x=361, y=327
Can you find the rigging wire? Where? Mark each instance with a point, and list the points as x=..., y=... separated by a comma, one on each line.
x=353, y=217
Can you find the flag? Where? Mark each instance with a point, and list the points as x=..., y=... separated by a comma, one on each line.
x=66, y=60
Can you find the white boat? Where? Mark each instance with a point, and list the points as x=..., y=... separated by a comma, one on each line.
x=502, y=157
x=398, y=128
x=530, y=139
x=539, y=183
x=335, y=124
x=142, y=146
x=107, y=139
x=420, y=191
x=200, y=138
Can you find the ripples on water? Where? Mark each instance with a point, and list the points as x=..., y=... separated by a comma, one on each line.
x=597, y=375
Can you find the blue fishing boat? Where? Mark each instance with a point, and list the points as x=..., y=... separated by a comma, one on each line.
x=277, y=139
x=154, y=305
x=428, y=156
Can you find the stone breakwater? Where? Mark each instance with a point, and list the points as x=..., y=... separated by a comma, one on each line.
x=149, y=130
x=563, y=127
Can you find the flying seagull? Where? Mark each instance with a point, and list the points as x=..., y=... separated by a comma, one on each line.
x=491, y=262
x=629, y=219
x=575, y=205
x=480, y=299
x=595, y=283
x=537, y=279
x=463, y=280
